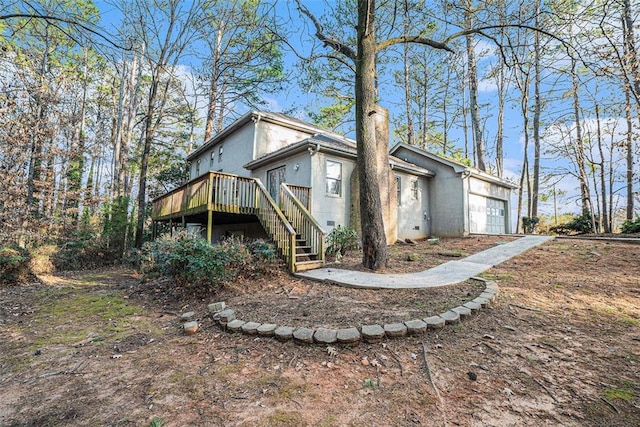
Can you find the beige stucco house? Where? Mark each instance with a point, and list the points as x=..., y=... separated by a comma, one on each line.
x=274, y=176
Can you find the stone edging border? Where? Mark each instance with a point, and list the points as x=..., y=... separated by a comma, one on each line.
x=226, y=319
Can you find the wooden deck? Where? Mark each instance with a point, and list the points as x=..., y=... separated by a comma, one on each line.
x=297, y=235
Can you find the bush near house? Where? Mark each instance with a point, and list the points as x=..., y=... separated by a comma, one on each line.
x=193, y=262
x=342, y=239
x=631, y=226
x=578, y=225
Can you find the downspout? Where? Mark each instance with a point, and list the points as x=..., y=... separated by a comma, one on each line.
x=465, y=201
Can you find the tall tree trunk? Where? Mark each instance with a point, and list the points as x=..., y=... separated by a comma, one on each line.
x=536, y=117
x=374, y=243
x=629, y=152
x=603, y=186
x=214, y=84
x=501, y=81
x=580, y=161
x=474, y=108
x=407, y=80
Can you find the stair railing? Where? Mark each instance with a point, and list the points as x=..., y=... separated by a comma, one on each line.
x=276, y=225
x=302, y=220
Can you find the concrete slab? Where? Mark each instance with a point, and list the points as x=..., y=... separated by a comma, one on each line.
x=445, y=274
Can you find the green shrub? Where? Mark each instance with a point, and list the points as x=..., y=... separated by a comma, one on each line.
x=194, y=263
x=342, y=239
x=14, y=264
x=579, y=224
x=530, y=223
x=631, y=226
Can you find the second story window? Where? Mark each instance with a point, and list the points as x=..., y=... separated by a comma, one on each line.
x=198, y=168
x=334, y=178
x=220, y=151
x=213, y=155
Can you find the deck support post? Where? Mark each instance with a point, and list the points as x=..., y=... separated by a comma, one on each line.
x=209, y=225
x=171, y=227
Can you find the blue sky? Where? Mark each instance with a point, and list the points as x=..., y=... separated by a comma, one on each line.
x=294, y=98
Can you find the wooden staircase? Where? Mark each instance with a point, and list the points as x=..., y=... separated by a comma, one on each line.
x=298, y=236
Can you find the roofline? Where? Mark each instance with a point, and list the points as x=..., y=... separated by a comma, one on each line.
x=309, y=143
x=256, y=116
x=457, y=167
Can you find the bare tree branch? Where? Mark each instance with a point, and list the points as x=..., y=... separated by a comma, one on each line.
x=328, y=41
x=49, y=18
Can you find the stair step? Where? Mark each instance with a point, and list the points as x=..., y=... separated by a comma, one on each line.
x=308, y=265
x=306, y=254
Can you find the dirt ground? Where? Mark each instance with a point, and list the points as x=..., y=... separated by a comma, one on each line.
x=560, y=346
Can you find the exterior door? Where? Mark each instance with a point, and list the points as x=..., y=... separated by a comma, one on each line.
x=275, y=177
x=486, y=215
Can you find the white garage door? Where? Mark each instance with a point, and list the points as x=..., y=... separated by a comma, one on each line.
x=486, y=215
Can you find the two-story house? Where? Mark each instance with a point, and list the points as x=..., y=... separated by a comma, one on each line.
x=270, y=175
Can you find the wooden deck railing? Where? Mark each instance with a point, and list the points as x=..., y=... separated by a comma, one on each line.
x=276, y=225
x=191, y=198
x=301, y=193
x=302, y=220
x=223, y=192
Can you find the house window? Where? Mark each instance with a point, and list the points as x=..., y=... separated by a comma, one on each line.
x=213, y=155
x=399, y=189
x=334, y=178
x=220, y=151
x=415, y=189
x=198, y=168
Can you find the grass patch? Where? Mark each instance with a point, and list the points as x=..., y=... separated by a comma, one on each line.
x=283, y=418
x=73, y=315
x=625, y=394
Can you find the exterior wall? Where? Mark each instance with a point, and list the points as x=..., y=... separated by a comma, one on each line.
x=488, y=189
x=271, y=137
x=237, y=150
x=302, y=176
x=413, y=212
x=446, y=196
x=329, y=210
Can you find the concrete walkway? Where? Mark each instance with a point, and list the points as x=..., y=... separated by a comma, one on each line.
x=445, y=274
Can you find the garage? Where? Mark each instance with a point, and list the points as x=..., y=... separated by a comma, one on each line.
x=486, y=215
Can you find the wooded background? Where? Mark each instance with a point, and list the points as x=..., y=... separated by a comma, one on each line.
x=101, y=102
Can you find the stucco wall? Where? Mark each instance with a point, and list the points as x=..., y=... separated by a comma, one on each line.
x=272, y=137
x=413, y=211
x=330, y=210
x=237, y=150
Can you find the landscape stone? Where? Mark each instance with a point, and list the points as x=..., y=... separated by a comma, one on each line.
x=187, y=316
x=434, y=322
x=415, y=327
x=473, y=306
x=450, y=317
x=283, y=333
x=225, y=316
x=235, y=325
x=348, y=335
x=250, y=328
x=190, y=328
x=488, y=295
x=395, y=330
x=464, y=312
x=492, y=286
x=325, y=336
x=484, y=302
x=372, y=333
x=303, y=335
x=267, y=329
x=216, y=307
